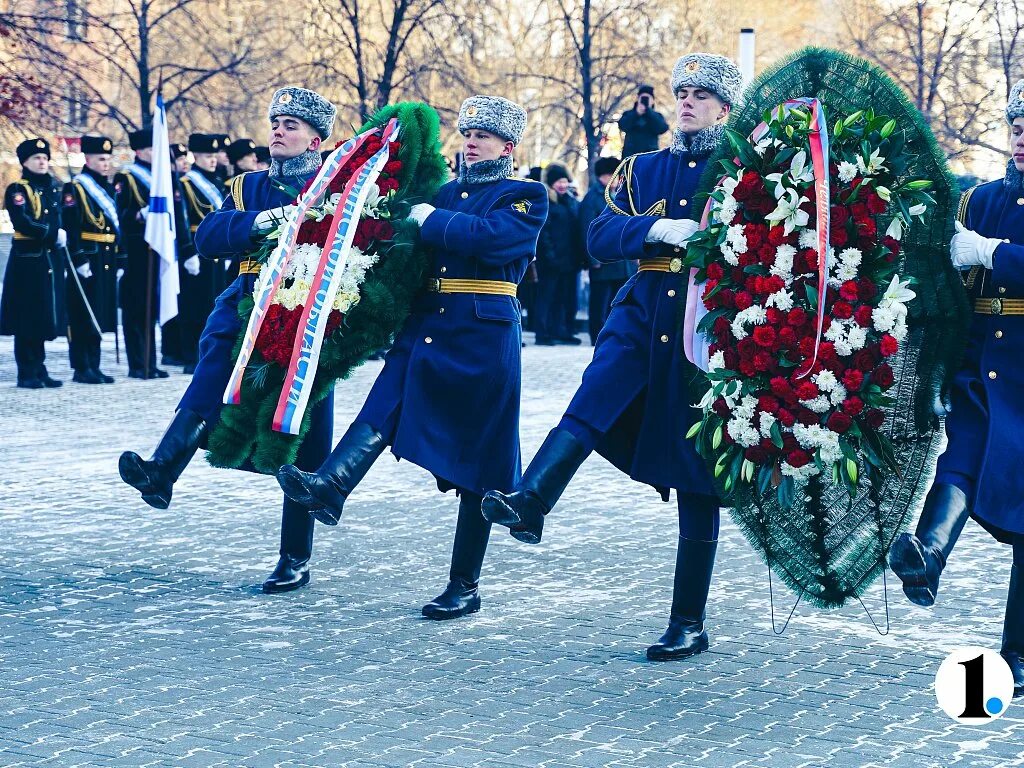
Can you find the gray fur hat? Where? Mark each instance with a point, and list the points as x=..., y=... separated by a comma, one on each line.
x=495, y=115
x=712, y=73
x=306, y=105
x=1015, y=104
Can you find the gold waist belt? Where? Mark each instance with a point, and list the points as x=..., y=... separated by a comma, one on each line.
x=95, y=237
x=660, y=264
x=999, y=306
x=193, y=228
x=493, y=287
x=249, y=267
x=19, y=236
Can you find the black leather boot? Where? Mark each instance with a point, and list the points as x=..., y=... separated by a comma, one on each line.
x=324, y=492
x=523, y=510
x=155, y=478
x=87, y=376
x=686, y=636
x=1013, y=631
x=461, y=596
x=48, y=381
x=292, y=570
x=918, y=560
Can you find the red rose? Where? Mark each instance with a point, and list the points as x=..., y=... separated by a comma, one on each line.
x=868, y=230
x=768, y=404
x=807, y=417
x=839, y=422
x=894, y=247
x=799, y=458
x=874, y=203
x=786, y=418
x=747, y=368
x=852, y=406
x=842, y=311
x=888, y=345
x=787, y=337
x=721, y=408
x=743, y=300
x=726, y=298
x=797, y=317
x=864, y=361
x=863, y=316
x=853, y=379
x=392, y=167
x=807, y=390
x=720, y=329
x=755, y=234
x=764, y=336
x=874, y=418
x=714, y=271
x=838, y=237
x=777, y=236
x=860, y=213
x=866, y=289
x=839, y=216
x=848, y=290
x=732, y=359
x=883, y=376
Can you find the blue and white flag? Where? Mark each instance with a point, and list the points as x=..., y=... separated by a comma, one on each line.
x=160, y=219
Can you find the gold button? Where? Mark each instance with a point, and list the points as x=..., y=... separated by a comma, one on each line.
x=693, y=163
x=1002, y=290
x=440, y=311
x=682, y=202
x=999, y=334
x=672, y=293
x=992, y=374
x=664, y=337
x=443, y=270
x=428, y=340
x=465, y=195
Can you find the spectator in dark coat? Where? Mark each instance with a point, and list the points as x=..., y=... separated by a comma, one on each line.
x=642, y=125
x=605, y=279
x=559, y=260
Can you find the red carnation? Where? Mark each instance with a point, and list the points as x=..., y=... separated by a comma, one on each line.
x=807, y=390
x=720, y=329
x=798, y=458
x=774, y=315
x=874, y=418
x=768, y=404
x=860, y=213
x=786, y=418
x=743, y=300
x=888, y=345
x=714, y=271
x=732, y=359
x=806, y=346
x=777, y=236
x=797, y=317
x=853, y=379
x=780, y=387
x=894, y=247
x=842, y=311
x=787, y=337
x=762, y=362
x=392, y=167
x=866, y=289
x=864, y=361
x=747, y=368
x=863, y=316
x=807, y=417
x=764, y=336
x=838, y=237
x=755, y=234
x=839, y=422
x=852, y=406
x=848, y=290
x=883, y=376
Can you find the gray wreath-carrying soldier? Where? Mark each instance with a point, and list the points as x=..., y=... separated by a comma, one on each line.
x=32, y=306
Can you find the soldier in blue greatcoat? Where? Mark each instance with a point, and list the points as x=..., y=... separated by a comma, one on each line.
x=300, y=120
x=634, y=406
x=447, y=398
x=979, y=474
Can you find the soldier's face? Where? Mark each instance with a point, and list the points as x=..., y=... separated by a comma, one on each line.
x=290, y=137
x=247, y=163
x=145, y=154
x=37, y=163
x=206, y=160
x=182, y=165
x=697, y=109
x=480, y=145
x=222, y=159
x=1017, y=142
x=98, y=163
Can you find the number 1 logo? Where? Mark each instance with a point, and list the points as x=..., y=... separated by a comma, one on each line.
x=974, y=685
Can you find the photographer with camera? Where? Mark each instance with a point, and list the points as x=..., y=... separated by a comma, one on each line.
x=642, y=125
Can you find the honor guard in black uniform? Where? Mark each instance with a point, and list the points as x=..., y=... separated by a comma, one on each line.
x=170, y=332
x=242, y=154
x=203, y=280
x=138, y=285
x=90, y=218
x=223, y=169
x=32, y=305
x=262, y=158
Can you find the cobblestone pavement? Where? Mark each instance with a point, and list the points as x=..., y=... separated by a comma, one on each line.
x=136, y=637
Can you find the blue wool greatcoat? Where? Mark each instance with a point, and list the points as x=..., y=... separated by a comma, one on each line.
x=983, y=429
x=636, y=390
x=447, y=398
x=226, y=234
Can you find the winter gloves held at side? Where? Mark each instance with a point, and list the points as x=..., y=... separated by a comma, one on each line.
x=672, y=231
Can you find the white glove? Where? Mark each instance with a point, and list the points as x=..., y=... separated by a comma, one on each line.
x=672, y=231
x=227, y=265
x=192, y=265
x=84, y=270
x=62, y=238
x=143, y=212
x=273, y=218
x=969, y=249
x=420, y=212
x=120, y=273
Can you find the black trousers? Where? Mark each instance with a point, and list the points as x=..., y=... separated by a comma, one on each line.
x=138, y=338
x=296, y=522
x=171, y=339
x=83, y=341
x=601, y=294
x=29, y=355
x=553, y=291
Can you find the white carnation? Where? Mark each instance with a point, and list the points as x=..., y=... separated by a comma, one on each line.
x=847, y=172
x=783, y=266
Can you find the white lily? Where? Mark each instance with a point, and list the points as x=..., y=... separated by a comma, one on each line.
x=918, y=210
x=884, y=193
x=898, y=292
x=788, y=212
x=799, y=173
x=895, y=230
x=875, y=163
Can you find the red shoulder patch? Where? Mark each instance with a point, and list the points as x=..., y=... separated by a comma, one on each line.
x=177, y=196
x=18, y=198
x=69, y=199
x=117, y=186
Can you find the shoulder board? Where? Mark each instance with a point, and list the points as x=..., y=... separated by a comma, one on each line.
x=622, y=175
x=235, y=187
x=965, y=201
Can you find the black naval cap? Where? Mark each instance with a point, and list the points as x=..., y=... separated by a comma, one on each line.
x=178, y=150
x=262, y=154
x=97, y=145
x=239, y=148
x=606, y=165
x=225, y=140
x=205, y=142
x=29, y=147
x=141, y=139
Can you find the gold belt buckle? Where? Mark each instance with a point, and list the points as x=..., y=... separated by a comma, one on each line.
x=434, y=284
x=997, y=306
x=675, y=265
